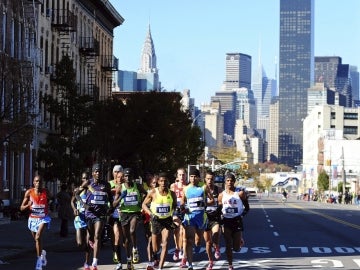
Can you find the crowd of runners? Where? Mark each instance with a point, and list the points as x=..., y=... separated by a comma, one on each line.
x=190, y=211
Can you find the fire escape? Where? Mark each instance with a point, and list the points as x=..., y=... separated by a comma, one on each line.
x=64, y=22
x=89, y=48
x=109, y=64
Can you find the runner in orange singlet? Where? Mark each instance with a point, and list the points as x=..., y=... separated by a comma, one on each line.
x=36, y=200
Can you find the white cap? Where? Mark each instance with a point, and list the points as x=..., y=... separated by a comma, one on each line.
x=117, y=168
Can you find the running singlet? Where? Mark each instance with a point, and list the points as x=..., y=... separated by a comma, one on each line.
x=232, y=205
x=39, y=207
x=79, y=220
x=195, y=199
x=80, y=203
x=130, y=203
x=211, y=209
x=98, y=199
x=179, y=191
x=162, y=205
x=113, y=186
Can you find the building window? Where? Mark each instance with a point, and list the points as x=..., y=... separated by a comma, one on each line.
x=352, y=116
x=333, y=115
x=350, y=130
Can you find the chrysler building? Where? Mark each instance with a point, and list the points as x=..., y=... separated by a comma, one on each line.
x=147, y=75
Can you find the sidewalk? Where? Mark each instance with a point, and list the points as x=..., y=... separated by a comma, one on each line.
x=16, y=239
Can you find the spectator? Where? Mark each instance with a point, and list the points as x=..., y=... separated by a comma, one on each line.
x=64, y=209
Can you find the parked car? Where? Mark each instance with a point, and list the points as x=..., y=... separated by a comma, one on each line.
x=251, y=192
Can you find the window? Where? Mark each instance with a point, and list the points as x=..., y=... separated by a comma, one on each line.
x=350, y=130
x=352, y=116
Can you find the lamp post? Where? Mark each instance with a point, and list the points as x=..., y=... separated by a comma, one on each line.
x=203, y=137
x=343, y=174
x=5, y=187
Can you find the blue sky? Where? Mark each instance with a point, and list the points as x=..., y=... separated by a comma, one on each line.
x=192, y=37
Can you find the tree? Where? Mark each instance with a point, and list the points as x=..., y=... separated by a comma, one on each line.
x=323, y=181
x=17, y=99
x=65, y=151
x=226, y=154
x=147, y=131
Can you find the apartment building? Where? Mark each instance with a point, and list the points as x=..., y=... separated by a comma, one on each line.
x=35, y=35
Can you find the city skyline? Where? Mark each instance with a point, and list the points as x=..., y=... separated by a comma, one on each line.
x=191, y=48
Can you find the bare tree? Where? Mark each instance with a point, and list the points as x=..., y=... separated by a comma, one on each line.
x=17, y=101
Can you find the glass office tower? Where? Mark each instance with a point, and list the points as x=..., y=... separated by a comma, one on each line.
x=296, y=73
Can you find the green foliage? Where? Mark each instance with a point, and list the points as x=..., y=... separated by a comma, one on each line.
x=65, y=152
x=323, y=181
x=149, y=132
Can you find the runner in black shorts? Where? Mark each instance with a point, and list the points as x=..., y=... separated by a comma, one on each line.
x=162, y=204
x=212, y=232
x=235, y=206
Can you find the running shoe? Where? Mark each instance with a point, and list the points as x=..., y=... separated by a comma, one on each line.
x=38, y=264
x=94, y=267
x=156, y=263
x=129, y=266
x=118, y=266
x=231, y=267
x=43, y=258
x=217, y=253
x=183, y=263
x=86, y=267
x=176, y=255
x=181, y=254
x=149, y=267
x=135, y=256
x=210, y=266
x=115, y=258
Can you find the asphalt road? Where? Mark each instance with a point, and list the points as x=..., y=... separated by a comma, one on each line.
x=294, y=235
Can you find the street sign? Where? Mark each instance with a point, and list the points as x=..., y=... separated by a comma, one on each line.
x=232, y=166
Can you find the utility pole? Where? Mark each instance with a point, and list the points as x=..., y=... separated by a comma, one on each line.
x=330, y=174
x=343, y=173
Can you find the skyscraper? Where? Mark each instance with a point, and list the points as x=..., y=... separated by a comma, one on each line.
x=354, y=74
x=335, y=75
x=238, y=71
x=227, y=101
x=148, y=76
x=245, y=107
x=296, y=73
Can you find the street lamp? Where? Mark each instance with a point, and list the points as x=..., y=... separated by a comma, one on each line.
x=5, y=188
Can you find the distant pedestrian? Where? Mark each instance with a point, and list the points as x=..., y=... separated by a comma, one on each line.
x=65, y=212
x=235, y=206
x=36, y=200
